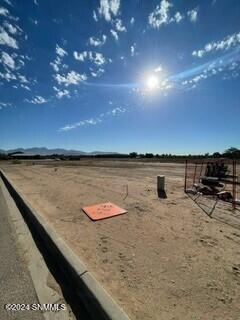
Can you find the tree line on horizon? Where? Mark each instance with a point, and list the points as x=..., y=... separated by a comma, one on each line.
x=230, y=153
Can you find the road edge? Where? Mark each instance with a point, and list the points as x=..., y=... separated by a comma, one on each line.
x=33, y=259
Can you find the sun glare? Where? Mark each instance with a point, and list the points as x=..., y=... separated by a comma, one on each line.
x=152, y=82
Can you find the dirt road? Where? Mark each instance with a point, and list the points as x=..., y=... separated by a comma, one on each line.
x=164, y=259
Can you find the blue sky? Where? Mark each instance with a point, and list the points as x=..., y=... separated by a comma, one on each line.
x=116, y=75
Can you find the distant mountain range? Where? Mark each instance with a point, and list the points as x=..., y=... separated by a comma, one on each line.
x=46, y=151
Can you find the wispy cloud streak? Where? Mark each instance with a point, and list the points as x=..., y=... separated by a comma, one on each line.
x=94, y=121
x=225, y=44
x=220, y=64
x=223, y=61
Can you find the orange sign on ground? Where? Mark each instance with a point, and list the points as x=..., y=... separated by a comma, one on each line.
x=103, y=211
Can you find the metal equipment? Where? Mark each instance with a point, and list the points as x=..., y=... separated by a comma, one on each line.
x=216, y=178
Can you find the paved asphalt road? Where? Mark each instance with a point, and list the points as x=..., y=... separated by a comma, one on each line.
x=16, y=285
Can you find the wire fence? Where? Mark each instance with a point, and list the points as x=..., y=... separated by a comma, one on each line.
x=214, y=178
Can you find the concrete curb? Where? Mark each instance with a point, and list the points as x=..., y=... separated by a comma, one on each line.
x=97, y=301
x=47, y=293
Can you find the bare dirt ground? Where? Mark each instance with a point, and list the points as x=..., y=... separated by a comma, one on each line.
x=164, y=259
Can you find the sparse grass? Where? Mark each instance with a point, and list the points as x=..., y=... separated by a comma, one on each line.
x=16, y=161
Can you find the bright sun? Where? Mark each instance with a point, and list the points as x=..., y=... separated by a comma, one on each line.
x=152, y=82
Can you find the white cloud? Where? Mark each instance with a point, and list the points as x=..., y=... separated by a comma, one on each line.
x=5, y=104
x=97, y=73
x=225, y=64
x=7, y=60
x=95, y=15
x=133, y=50
x=116, y=111
x=36, y=100
x=4, y=12
x=109, y=8
x=100, y=71
x=10, y=27
x=204, y=75
x=72, y=77
x=178, y=17
x=234, y=65
x=22, y=79
x=224, y=44
x=26, y=57
x=114, y=34
x=198, y=53
x=158, y=69
x=60, y=51
x=82, y=123
x=62, y=93
x=114, y=6
x=35, y=2
x=55, y=66
x=93, y=121
x=11, y=62
x=7, y=40
x=81, y=56
x=8, y=2
x=193, y=14
x=96, y=42
x=132, y=20
x=8, y=76
x=34, y=21
x=119, y=26
x=25, y=87
x=160, y=15
x=95, y=57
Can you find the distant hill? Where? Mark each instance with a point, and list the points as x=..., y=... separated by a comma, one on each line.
x=46, y=151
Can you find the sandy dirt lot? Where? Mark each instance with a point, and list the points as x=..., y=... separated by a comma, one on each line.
x=164, y=259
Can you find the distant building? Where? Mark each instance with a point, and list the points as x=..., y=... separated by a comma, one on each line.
x=21, y=155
